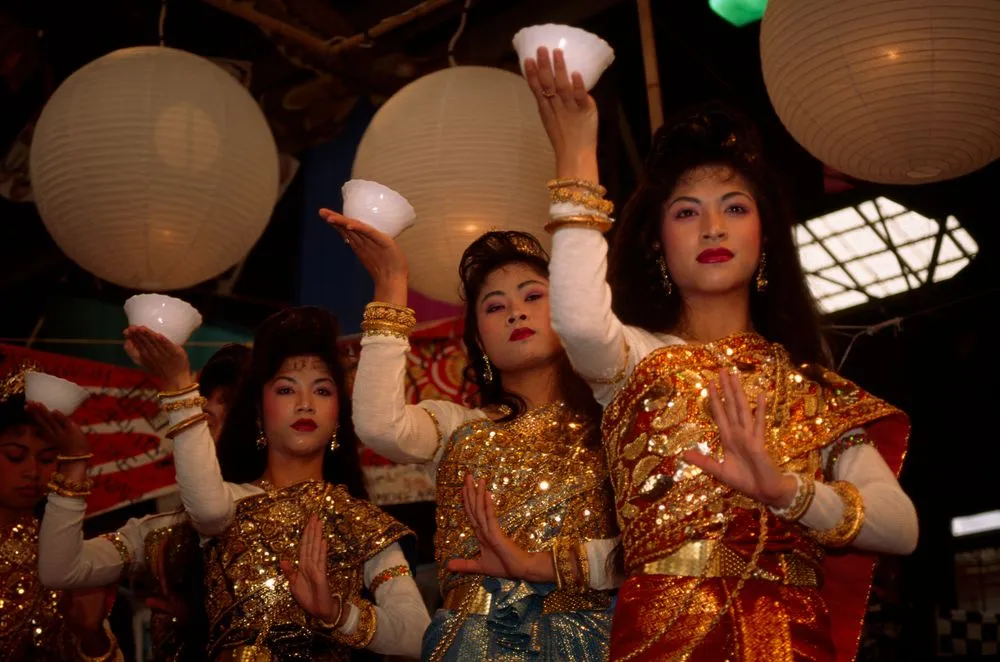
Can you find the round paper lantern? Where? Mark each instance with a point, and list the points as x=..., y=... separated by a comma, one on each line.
x=888, y=91
x=154, y=168
x=466, y=147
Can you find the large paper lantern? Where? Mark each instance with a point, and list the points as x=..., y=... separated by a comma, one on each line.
x=888, y=91
x=466, y=147
x=154, y=168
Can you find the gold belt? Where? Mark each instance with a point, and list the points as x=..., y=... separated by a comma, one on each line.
x=555, y=602
x=711, y=558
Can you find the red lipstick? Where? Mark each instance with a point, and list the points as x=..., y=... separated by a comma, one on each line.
x=715, y=255
x=305, y=425
x=521, y=333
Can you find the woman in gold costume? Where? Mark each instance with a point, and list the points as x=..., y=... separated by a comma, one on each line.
x=37, y=623
x=164, y=545
x=743, y=469
x=534, y=440
x=289, y=542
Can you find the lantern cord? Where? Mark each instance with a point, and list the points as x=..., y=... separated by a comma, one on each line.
x=458, y=33
x=163, y=20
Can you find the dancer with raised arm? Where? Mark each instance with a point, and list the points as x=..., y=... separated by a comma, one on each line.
x=163, y=545
x=37, y=622
x=750, y=480
x=289, y=541
x=533, y=440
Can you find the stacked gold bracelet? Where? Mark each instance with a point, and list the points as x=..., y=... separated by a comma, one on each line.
x=853, y=518
x=70, y=488
x=365, y=629
x=578, y=203
x=387, y=319
x=803, y=499
x=185, y=424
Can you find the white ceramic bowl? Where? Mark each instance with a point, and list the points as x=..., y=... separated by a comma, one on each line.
x=378, y=206
x=55, y=393
x=584, y=52
x=172, y=317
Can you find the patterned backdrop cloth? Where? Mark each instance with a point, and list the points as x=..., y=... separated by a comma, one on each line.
x=133, y=463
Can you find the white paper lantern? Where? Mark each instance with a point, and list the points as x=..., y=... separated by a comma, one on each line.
x=889, y=91
x=466, y=147
x=154, y=169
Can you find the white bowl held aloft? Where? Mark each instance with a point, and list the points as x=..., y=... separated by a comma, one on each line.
x=169, y=316
x=584, y=52
x=377, y=205
x=56, y=393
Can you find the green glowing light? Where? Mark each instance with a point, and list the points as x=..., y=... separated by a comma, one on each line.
x=739, y=12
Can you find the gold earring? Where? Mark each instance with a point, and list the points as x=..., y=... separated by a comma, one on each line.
x=334, y=444
x=261, y=437
x=761, y=276
x=668, y=286
x=487, y=370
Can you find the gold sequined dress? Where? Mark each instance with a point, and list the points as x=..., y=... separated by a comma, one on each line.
x=31, y=622
x=248, y=599
x=248, y=529
x=549, y=480
x=31, y=625
x=712, y=575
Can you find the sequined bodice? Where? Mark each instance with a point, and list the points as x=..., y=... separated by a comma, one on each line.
x=547, y=475
x=248, y=596
x=31, y=625
x=664, y=410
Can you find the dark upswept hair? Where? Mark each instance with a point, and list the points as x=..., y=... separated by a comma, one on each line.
x=302, y=331
x=495, y=250
x=12, y=413
x=224, y=369
x=712, y=135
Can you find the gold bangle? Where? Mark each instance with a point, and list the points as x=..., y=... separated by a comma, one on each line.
x=365, y=629
x=374, y=305
x=391, y=331
x=806, y=485
x=101, y=658
x=60, y=480
x=593, y=187
x=74, y=458
x=62, y=491
x=173, y=394
x=594, y=222
x=187, y=403
x=849, y=526
x=587, y=199
x=185, y=424
x=386, y=575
